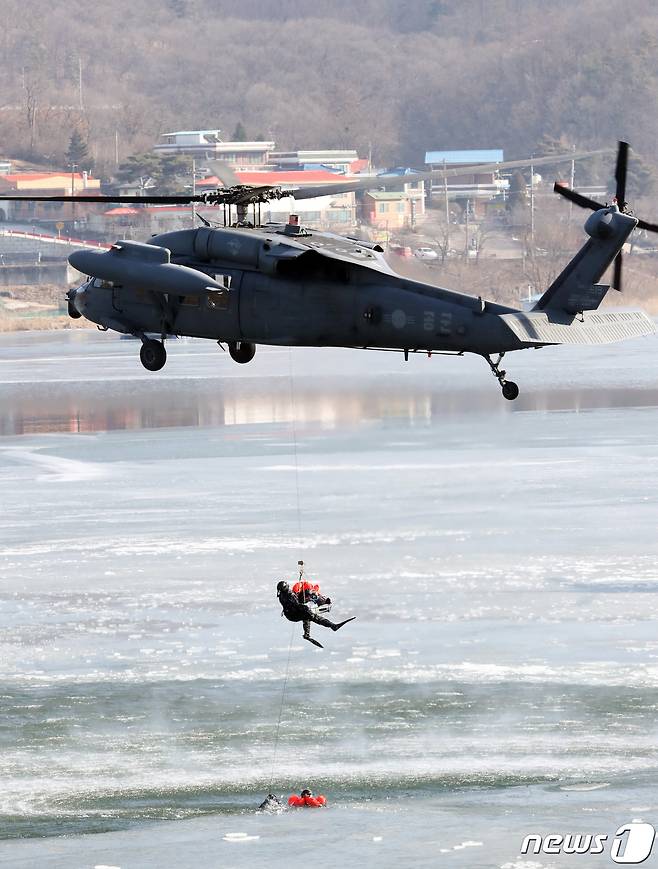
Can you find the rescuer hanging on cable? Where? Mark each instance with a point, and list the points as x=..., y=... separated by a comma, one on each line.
x=302, y=606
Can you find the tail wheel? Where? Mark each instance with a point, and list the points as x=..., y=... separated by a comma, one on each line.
x=241, y=351
x=153, y=355
x=510, y=390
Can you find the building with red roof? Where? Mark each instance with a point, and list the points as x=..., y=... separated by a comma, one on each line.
x=45, y=184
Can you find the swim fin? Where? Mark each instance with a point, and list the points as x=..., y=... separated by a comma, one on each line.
x=340, y=624
x=315, y=642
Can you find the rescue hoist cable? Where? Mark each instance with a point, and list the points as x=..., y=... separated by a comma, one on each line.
x=293, y=426
x=300, y=563
x=278, y=723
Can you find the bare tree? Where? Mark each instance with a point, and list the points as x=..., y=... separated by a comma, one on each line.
x=30, y=103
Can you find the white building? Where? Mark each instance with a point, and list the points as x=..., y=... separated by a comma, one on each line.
x=208, y=145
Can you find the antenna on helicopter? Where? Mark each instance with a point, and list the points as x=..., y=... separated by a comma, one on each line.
x=203, y=220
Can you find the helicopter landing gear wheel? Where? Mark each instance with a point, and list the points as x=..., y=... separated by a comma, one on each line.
x=241, y=351
x=509, y=388
x=153, y=354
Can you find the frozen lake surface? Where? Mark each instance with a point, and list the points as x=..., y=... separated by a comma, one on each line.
x=502, y=675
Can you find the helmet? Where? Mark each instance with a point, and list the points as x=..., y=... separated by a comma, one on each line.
x=282, y=586
x=306, y=793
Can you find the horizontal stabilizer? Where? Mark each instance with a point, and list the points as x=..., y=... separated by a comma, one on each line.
x=536, y=328
x=585, y=298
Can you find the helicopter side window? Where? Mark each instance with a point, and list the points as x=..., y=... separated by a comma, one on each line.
x=189, y=301
x=218, y=300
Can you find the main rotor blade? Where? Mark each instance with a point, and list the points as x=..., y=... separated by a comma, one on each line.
x=616, y=280
x=142, y=200
x=620, y=175
x=224, y=172
x=578, y=198
x=241, y=195
x=373, y=182
x=244, y=194
x=644, y=224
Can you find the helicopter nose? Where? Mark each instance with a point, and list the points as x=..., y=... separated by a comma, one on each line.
x=77, y=299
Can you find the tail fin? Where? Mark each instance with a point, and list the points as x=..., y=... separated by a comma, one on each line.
x=576, y=289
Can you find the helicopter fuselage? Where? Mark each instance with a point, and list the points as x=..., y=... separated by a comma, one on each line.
x=282, y=285
x=256, y=286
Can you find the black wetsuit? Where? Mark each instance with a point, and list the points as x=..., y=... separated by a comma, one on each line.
x=270, y=804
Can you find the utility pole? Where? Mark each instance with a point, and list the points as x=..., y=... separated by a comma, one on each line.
x=532, y=205
x=74, y=166
x=80, y=82
x=193, y=191
x=571, y=185
x=447, y=204
x=468, y=208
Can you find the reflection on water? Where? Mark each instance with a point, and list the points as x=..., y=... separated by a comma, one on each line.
x=112, y=405
x=85, y=408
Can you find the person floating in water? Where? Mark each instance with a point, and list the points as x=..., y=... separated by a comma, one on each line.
x=306, y=799
x=271, y=803
x=296, y=611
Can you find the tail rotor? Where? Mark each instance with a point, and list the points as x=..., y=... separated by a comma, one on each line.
x=621, y=172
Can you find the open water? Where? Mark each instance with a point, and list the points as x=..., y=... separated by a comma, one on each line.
x=501, y=678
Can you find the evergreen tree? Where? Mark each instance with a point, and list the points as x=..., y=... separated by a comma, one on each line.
x=78, y=151
x=240, y=133
x=168, y=174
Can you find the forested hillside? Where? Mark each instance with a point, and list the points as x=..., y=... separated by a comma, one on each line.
x=401, y=77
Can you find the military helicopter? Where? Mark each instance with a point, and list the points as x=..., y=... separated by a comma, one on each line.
x=244, y=285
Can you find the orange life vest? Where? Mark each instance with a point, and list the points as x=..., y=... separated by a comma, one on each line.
x=305, y=586
x=308, y=802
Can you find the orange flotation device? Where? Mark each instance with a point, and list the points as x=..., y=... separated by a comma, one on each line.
x=305, y=586
x=309, y=802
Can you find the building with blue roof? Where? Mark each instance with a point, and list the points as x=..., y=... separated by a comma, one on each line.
x=463, y=158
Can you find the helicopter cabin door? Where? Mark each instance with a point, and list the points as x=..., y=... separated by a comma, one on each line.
x=221, y=316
